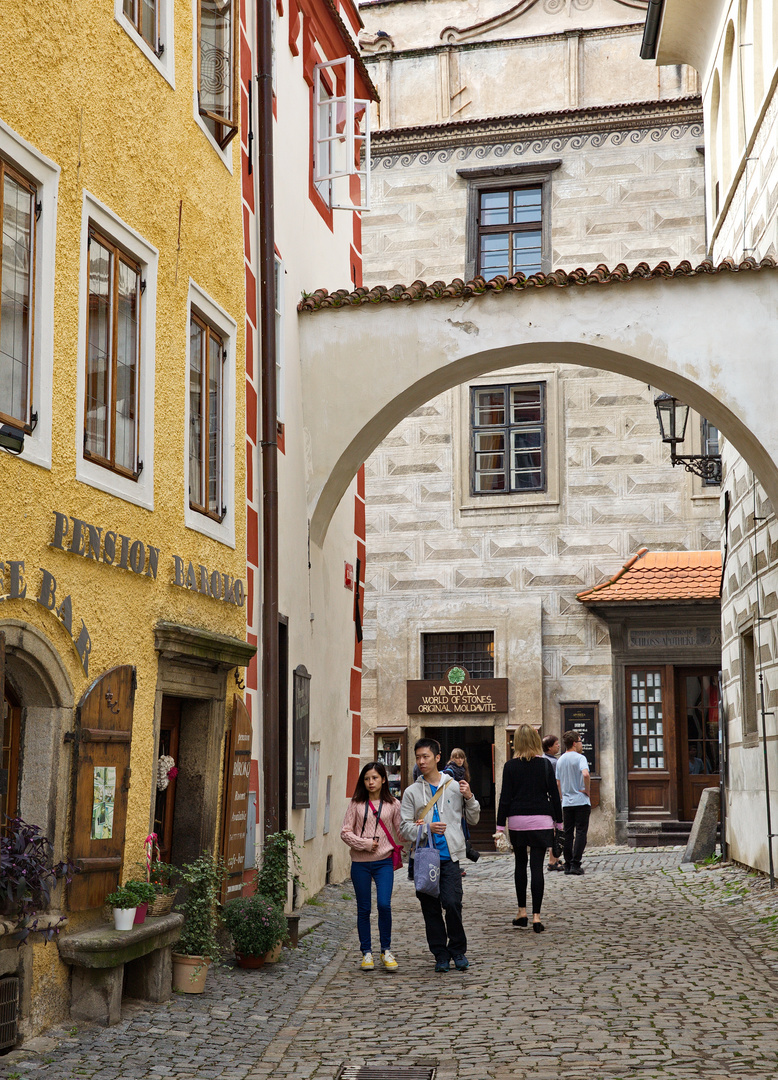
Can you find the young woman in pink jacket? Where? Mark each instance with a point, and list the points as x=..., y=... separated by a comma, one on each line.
x=371, y=828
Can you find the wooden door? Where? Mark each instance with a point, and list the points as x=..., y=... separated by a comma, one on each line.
x=102, y=783
x=697, y=724
x=651, y=754
x=164, y=807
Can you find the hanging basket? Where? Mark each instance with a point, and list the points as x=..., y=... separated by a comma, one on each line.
x=162, y=904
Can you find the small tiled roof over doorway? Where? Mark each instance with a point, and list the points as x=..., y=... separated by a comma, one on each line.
x=660, y=577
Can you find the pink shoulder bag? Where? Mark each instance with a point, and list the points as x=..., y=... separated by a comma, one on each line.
x=397, y=851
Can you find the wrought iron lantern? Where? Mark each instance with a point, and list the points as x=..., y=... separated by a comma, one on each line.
x=673, y=417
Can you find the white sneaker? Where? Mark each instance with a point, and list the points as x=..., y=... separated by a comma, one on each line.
x=367, y=962
x=389, y=961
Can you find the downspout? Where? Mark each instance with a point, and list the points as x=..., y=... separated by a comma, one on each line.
x=651, y=30
x=268, y=421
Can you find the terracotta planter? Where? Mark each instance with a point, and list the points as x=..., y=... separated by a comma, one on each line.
x=189, y=973
x=249, y=961
x=140, y=914
x=123, y=918
x=274, y=955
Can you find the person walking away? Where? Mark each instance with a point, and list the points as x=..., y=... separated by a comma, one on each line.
x=529, y=807
x=572, y=774
x=458, y=768
x=551, y=753
x=446, y=939
x=371, y=828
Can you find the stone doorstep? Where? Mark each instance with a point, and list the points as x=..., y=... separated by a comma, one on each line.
x=107, y=948
x=308, y=923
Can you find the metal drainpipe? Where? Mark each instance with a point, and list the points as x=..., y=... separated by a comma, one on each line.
x=651, y=29
x=267, y=337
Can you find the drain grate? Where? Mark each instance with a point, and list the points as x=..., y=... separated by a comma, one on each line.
x=9, y=1008
x=386, y=1072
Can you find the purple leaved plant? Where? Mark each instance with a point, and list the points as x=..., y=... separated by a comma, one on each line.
x=27, y=875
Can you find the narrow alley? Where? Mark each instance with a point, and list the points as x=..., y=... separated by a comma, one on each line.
x=645, y=971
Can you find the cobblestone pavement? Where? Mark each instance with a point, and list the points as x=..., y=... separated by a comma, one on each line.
x=645, y=972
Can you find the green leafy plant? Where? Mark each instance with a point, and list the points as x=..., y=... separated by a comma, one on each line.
x=144, y=892
x=280, y=865
x=256, y=924
x=162, y=875
x=202, y=880
x=123, y=897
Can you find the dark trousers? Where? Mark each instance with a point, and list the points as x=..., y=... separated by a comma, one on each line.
x=537, y=855
x=363, y=874
x=576, y=820
x=445, y=939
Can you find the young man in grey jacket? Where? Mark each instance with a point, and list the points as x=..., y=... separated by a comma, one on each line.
x=447, y=940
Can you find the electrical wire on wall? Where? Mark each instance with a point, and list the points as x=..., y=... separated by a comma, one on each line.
x=759, y=619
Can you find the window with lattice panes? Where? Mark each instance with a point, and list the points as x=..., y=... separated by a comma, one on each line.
x=645, y=710
x=508, y=438
x=509, y=231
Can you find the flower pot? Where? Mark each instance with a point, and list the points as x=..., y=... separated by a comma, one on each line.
x=162, y=904
x=274, y=955
x=123, y=918
x=189, y=973
x=140, y=914
x=249, y=961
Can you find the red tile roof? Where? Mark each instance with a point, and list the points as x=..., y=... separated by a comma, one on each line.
x=459, y=289
x=660, y=576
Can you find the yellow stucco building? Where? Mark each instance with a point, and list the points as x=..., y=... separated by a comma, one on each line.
x=122, y=545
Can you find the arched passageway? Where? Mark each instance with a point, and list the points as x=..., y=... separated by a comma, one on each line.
x=704, y=335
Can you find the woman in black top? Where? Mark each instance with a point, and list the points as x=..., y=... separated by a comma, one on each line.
x=530, y=807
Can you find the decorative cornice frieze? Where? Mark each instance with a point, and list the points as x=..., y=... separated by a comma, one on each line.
x=515, y=136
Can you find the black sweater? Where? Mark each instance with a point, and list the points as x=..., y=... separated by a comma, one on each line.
x=528, y=787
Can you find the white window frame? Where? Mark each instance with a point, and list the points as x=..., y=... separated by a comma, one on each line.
x=140, y=491
x=279, y=319
x=325, y=140
x=211, y=312
x=165, y=64
x=44, y=173
x=225, y=153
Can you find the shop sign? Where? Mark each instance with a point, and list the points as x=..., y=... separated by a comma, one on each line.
x=13, y=586
x=584, y=717
x=694, y=637
x=456, y=692
x=301, y=731
x=238, y=772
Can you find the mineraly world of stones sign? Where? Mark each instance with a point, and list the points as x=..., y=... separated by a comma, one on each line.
x=455, y=693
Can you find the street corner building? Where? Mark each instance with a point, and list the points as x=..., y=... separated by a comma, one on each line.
x=122, y=552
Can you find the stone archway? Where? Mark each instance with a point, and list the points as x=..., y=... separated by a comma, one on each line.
x=703, y=335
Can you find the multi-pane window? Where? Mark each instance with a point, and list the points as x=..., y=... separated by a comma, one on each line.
x=206, y=365
x=509, y=231
x=112, y=357
x=508, y=438
x=748, y=682
x=144, y=16
x=472, y=650
x=217, y=77
x=709, y=439
x=17, y=276
x=645, y=705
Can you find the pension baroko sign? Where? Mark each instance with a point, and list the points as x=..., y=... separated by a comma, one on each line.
x=457, y=692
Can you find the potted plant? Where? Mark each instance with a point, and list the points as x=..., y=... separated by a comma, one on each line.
x=28, y=874
x=197, y=947
x=162, y=876
x=257, y=925
x=144, y=894
x=280, y=865
x=124, y=905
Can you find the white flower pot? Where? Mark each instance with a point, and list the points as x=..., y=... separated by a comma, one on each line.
x=123, y=917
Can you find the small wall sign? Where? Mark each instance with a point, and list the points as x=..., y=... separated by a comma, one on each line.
x=456, y=692
x=584, y=717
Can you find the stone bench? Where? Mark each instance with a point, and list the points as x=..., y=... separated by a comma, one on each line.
x=106, y=961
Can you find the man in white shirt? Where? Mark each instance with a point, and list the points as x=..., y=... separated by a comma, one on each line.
x=572, y=776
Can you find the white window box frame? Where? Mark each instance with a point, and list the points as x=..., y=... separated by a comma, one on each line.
x=164, y=64
x=140, y=491
x=44, y=173
x=212, y=312
x=494, y=508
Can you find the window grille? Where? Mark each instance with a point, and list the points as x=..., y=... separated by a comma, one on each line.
x=473, y=650
x=9, y=1011
x=341, y=133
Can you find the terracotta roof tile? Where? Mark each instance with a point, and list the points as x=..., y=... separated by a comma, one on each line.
x=561, y=279
x=660, y=576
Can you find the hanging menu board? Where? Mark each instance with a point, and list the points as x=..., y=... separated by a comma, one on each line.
x=301, y=730
x=583, y=717
x=236, y=802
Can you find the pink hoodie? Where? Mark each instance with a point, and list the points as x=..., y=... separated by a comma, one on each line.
x=361, y=844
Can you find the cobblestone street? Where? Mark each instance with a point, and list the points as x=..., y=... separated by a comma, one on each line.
x=645, y=971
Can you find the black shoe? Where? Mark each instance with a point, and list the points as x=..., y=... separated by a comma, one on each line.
x=461, y=963
x=577, y=870
x=442, y=965
x=520, y=922
x=568, y=869
x=554, y=866
x=538, y=927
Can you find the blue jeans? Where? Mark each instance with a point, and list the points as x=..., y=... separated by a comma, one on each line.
x=362, y=874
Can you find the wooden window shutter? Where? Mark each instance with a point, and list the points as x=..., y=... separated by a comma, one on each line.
x=237, y=767
x=102, y=783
